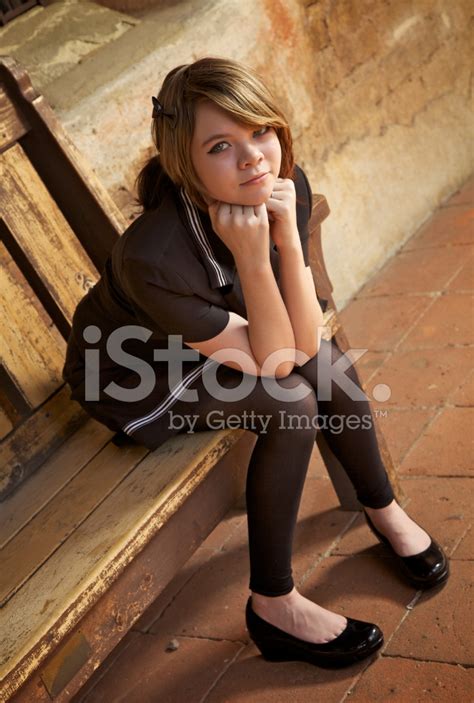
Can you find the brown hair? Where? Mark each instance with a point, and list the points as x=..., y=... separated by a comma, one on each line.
x=231, y=86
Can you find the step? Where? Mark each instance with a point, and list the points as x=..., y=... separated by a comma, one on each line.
x=49, y=41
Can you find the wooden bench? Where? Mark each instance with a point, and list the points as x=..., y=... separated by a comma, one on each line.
x=91, y=532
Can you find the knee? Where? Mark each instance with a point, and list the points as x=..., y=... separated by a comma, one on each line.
x=339, y=363
x=298, y=395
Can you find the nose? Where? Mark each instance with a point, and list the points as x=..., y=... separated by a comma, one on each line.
x=250, y=154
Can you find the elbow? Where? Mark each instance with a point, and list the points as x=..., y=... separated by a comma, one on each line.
x=286, y=366
x=284, y=369
x=304, y=355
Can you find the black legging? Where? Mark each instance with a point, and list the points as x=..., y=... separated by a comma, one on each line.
x=280, y=458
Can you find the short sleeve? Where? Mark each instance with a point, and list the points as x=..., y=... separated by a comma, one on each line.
x=174, y=308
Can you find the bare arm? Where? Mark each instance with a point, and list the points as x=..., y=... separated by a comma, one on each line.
x=245, y=230
x=267, y=329
x=296, y=281
x=301, y=301
x=270, y=328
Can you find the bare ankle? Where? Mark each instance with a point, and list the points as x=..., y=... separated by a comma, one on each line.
x=386, y=509
x=274, y=601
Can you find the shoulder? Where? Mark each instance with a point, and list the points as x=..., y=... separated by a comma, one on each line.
x=154, y=247
x=153, y=232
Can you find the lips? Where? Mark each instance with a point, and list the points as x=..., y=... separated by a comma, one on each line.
x=258, y=177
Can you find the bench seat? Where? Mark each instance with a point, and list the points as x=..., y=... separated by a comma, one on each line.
x=69, y=534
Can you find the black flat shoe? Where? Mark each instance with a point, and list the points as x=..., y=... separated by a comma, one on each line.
x=357, y=641
x=425, y=570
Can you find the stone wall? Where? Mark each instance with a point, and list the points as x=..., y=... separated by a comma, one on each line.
x=377, y=92
x=389, y=134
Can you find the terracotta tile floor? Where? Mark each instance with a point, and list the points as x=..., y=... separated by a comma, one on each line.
x=417, y=321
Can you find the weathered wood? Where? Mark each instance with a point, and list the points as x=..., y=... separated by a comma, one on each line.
x=316, y=259
x=5, y=424
x=80, y=571
x=56, y=472
x=25, y=449
x=38, y=539
x=12, y=401
x=98, y=222
x=50, y=199
x=32, y=348
x=142, y=582
x=13, y=123
x=331, y=324
x=42, y=233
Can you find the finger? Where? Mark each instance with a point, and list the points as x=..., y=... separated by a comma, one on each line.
x=214, y=208
x=226, y=208
x=274, y=196
x=261, y=211
x=278, y=188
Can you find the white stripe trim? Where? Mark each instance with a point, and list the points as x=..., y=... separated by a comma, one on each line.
x=200, y=234
x=174, y=395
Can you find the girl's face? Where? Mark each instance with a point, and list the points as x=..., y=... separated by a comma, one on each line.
x=226, y=154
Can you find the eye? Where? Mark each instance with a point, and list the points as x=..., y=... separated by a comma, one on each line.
x=259, y=132
x=215, y=149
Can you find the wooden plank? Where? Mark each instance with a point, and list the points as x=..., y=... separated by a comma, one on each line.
x=32, y=348
x=5, y=424
x=22, y=451
x=42, y=232
x=331, y=324
x=316, y=257
x=62, y=168
x=13, y=123
x=12, y=401
x=62, y=515
x=48, y=605
x=141, y=582
x=56, y=472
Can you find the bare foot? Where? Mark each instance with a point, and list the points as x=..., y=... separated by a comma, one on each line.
x=406, y=537
x=300, y=617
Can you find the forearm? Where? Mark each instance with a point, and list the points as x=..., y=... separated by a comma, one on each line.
x=299, y=295
x=269, y=325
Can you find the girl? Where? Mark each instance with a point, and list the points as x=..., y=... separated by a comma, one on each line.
x=218, y=259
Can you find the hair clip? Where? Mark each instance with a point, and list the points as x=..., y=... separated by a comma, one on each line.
x=158, y=109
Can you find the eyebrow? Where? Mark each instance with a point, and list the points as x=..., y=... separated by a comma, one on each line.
x=215, y=136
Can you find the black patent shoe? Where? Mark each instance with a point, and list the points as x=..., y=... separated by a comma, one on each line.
x=357, y=641
x=425, y=570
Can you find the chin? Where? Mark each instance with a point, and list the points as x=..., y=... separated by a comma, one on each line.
x=257, y=198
